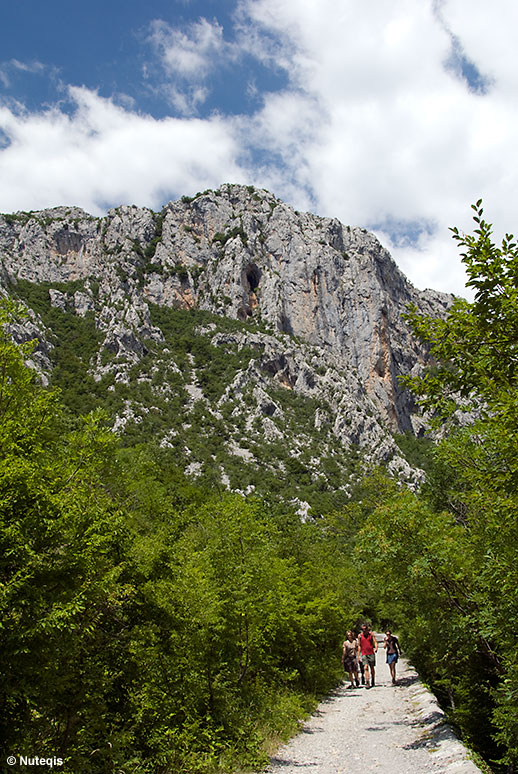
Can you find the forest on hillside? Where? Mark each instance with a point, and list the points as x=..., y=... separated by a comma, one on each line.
x=154, y=624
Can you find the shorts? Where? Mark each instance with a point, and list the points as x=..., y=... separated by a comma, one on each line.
x=369, y=659
x=392, y=658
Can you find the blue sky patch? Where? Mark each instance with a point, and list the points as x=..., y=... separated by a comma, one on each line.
x=404, y=233
x=465, y=69
x=106, y=47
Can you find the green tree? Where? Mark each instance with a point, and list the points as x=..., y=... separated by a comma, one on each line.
x=57, y=576
x=474, y=375
x=425, y=567
x=241, y=622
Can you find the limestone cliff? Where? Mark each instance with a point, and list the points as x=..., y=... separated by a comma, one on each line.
x=321, y=303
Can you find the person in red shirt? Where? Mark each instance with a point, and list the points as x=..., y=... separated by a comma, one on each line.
x=367, y=648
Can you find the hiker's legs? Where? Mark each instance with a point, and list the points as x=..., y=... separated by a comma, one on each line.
x=366, y=670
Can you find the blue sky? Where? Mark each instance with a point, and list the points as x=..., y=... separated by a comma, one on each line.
x=110, y=46
x=392, y=116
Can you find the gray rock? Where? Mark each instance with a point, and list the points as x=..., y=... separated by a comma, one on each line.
x=330, y=297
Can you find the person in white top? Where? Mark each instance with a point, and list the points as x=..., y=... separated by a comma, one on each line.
x=349, y=659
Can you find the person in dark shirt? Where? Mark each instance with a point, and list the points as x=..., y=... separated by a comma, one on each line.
x=391, y=645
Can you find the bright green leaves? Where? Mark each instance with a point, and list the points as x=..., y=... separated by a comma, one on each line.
x=476, y=346
x=492, y=272
x=57, y=534
x=470, y=553
x=26, y=411
x=432, y=579
x=240, y=615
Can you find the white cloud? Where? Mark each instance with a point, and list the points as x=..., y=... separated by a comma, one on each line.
x=187, y=53
x=27, y=67
x=187, y=56
x=395, y=132
x=104, y=155
x=187, y=100
x=16, y=66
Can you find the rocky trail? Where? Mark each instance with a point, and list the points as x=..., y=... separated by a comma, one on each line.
x=399, y=728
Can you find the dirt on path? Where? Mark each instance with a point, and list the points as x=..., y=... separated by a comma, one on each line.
x=396, y=728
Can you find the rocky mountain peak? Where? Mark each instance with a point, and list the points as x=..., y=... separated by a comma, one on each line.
x=326, y=299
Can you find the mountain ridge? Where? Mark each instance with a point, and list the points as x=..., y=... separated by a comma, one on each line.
x=312, y=307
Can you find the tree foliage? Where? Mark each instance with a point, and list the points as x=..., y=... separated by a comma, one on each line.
x=449, y=555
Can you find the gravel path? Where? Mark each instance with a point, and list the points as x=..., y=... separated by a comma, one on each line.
x=400, y=729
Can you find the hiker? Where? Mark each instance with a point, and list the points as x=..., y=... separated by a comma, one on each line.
x=367, y=647
x=360, y=664
x=391, y=645
x=349, y=658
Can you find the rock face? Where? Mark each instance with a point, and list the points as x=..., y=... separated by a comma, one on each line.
x=329, y=297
